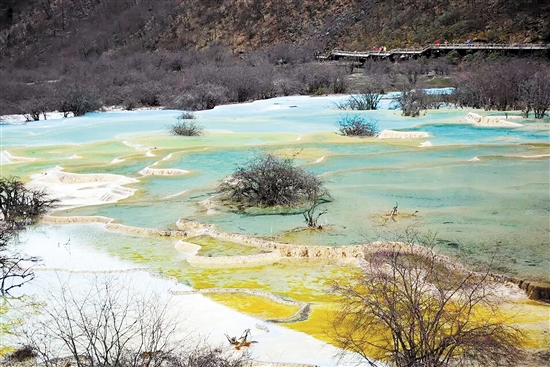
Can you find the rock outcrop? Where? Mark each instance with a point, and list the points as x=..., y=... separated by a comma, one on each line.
x=492, y=121
x=536, y=291
x=162, y=172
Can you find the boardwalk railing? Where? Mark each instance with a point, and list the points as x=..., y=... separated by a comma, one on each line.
x=337, y=54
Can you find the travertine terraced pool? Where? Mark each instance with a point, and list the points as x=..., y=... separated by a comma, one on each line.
x=483, y=191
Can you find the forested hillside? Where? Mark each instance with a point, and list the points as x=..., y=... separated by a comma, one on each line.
x=78, y=55
x=40, y=31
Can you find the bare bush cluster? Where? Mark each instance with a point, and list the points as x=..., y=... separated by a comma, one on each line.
x=184, y=125
x=321, y=78
x=106, y=321
x=357, y=126
x=186, y=128
x=268, y=181
x=184, y=79
x=19, y=207
x=186, y=115
x=412, y=308
x=406, y=76
x=413, y=101
x=505, y=85
x=368, y=98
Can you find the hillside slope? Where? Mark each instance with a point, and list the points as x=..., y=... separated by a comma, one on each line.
x=34, y=32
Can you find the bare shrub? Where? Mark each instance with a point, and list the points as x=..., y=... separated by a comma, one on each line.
x=187, y=115
x=412, y=101
x=285, y=53
x=356, y=126
x=363, y=101
x=268, y=181
x=107, y=321
x=377, y=68
x=25, y=353
x=439, y=66
x=320, y=78
x=286, y=86
x=208, y=357
x=149, y=97
x=411, y=70
x=184, y=127
x=19, y=205
x=78, y=99
x=104, y=322
x=410, y=307
x=535, y=93
x=370, y=93
x=202, y=97
x=497, y=85
x=246, y=82
x=312, y=215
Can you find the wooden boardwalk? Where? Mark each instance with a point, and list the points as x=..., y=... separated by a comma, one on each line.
x=433, y=50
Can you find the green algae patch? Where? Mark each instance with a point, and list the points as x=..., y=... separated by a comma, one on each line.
x=255, y=305
x=302, y=280
x=213, y=247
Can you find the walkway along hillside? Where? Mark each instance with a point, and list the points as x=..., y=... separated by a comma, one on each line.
x=436, y=50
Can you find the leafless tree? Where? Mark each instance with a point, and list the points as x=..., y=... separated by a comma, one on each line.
x=535, y=93
x=185, y=126
x=205, y=356
x=503, y=85
x=286, y=53
x=15, y=269
x=78, y=99
x=410, y=307
x=104, y=323
x=318, y=78
x=411, y=70
x=413, y=100
x=357, y=126
x=202, y=97
x=19, y=205
x=267, y=181
x=313, y=214
x=368, y=98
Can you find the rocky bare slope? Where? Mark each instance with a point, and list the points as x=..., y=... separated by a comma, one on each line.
x=40, y=31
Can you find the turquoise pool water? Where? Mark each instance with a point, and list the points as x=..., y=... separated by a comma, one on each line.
x=484, y=188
